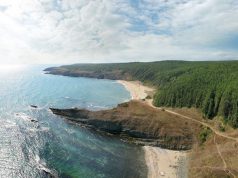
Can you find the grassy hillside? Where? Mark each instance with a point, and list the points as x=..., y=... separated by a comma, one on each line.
x=210, y=86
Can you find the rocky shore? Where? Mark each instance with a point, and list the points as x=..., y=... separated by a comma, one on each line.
x=136, y=122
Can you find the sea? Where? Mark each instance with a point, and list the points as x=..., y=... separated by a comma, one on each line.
x=36, y=143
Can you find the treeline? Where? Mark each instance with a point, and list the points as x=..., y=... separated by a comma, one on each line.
x=211, y=86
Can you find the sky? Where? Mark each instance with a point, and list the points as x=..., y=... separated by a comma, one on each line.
x=93, y=31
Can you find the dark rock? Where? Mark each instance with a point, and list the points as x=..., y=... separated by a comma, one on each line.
x=33, y=120
x=34, y=106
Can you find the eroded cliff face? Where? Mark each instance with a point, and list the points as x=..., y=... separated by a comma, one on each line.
x=137, y=122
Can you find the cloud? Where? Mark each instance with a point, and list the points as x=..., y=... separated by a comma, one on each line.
x=68, y=31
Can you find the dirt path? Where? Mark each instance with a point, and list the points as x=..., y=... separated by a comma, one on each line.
x=219, y=152
x=204, y=124
x=225, y=168
x=195, y=120
x=228, y=171
x=139, y=91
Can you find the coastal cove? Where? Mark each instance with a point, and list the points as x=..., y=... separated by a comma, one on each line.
x=176, y=123
x=160, y=162
x=119, y=89
x=40, y=144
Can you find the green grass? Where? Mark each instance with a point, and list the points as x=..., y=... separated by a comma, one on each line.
x=204, y=134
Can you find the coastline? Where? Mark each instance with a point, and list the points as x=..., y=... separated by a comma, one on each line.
x=165, y=163
x=136, y=89
x=160, y=162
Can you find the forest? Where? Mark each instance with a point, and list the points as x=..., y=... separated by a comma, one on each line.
x=209, y=86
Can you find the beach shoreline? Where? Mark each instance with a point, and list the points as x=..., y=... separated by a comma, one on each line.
x=160, y=162
x=137, y=90
x=165, y=163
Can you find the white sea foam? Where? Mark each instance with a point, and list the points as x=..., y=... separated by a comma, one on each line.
x=25, y=117
x=70, y=131
x=45, y=129
x=41, y=165
x=9, y=124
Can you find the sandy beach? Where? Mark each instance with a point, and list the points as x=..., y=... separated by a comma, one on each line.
x=165, y=163
x=137, y=89
x=160, y=162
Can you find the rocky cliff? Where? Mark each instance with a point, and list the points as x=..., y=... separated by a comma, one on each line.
x=137, y=122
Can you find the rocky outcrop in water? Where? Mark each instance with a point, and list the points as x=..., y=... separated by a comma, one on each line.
x=136, y=122
x=34, y=106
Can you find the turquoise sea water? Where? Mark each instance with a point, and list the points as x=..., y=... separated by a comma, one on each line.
x=30, y=149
